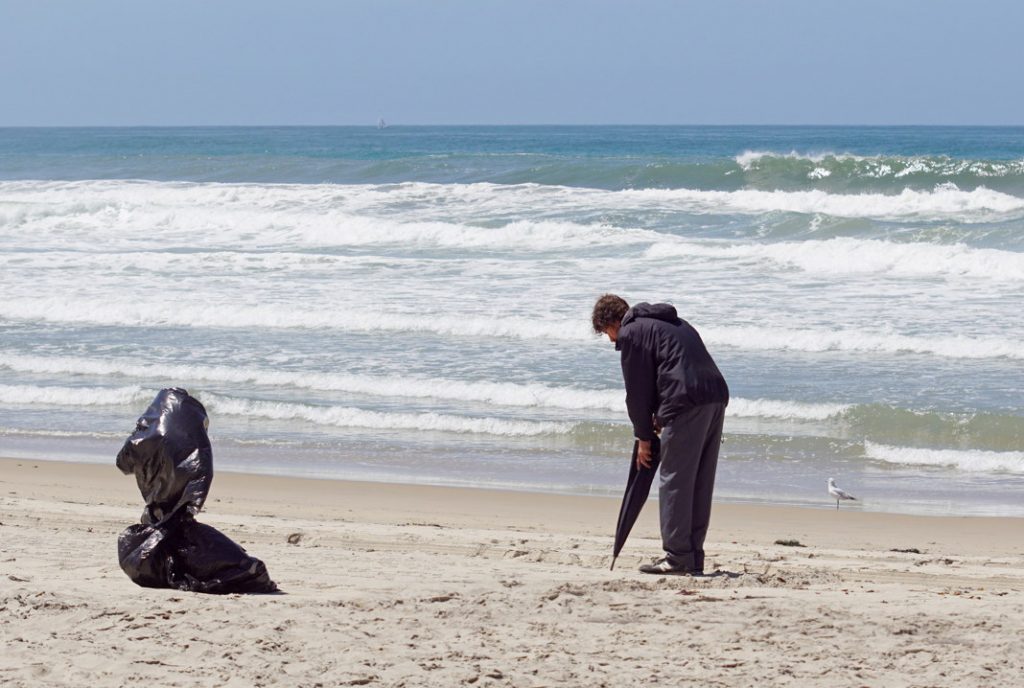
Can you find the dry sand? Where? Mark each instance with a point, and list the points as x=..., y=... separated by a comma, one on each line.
x=391, y=585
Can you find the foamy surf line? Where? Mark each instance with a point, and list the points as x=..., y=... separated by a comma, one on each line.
x=499, y=394
x=348, y=417
x=861, y=342
x=336, y=416
x=882, y=166
x=318, y=213
x=496, y=393
x=965, y=460
x=847, y=256
x=944, y=203
x=74, y=396
x=60, y=434
x=571, y=329
x=836, y=256
x=100, y=259
x=225, y=216
x=207, y=315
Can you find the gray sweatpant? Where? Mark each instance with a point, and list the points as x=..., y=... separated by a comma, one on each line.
x=689, y=457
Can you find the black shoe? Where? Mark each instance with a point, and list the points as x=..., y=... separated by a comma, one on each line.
x=664, y=567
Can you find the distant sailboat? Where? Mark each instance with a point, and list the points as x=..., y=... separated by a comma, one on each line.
x=381, y=124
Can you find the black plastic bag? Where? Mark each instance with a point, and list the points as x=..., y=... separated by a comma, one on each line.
x=172, y=461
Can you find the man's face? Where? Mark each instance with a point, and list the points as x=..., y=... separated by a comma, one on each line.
x=613, y=333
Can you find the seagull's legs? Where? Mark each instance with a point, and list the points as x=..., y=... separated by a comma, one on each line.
x=837, y=505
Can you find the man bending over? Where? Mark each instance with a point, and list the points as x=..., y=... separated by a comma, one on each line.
x=674, y=388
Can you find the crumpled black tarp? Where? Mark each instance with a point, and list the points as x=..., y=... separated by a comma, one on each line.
x=172, y=460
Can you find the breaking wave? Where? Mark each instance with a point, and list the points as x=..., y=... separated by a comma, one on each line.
x=848, y=173
x=969, y=460
x=201, y=314
x=526, y=217
x=495, y=393
x=859, y=341
x=348, y=417
x=750, y=338
x=945, y=202
x=847, y=256
x=73, y=396
x=48, y=433
x=337, y=416
x=786, y=410
x=836, y=256
x=882, y=425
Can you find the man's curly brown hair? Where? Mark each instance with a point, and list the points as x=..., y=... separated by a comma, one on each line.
x=608, y=312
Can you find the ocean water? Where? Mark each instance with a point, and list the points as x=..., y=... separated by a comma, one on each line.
x=412, y=304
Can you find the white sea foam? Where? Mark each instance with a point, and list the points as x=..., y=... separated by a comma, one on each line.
x=355, y=417
x=860, y=341
x=337, y=416
x=837, y=256
x=847, y=256
x=73, y=396
x=964, y=460
x=185, y=313
x=858, y=256
x=49, y=432
x=233, y=262
x=883, y=166
x=202, y=315
x=747, y=159
x=787, y=410
x=349, y=417
x=137, y=215
x=946, y=202
x=494, y=393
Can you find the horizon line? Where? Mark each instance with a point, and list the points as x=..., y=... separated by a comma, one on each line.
x=463, y=124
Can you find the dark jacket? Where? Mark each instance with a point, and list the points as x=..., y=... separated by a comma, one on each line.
x=666, y=367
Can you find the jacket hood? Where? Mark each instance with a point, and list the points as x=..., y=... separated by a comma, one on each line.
x=658, y=311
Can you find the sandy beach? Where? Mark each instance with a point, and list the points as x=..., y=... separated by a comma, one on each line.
x=398, y=585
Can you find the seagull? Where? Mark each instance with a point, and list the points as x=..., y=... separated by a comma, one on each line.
x=838, y=493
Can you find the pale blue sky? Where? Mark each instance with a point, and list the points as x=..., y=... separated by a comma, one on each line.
x=72, y=62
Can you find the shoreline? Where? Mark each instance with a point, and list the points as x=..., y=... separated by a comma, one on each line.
x=407, y=585
x=49, y=451
x=592, y=515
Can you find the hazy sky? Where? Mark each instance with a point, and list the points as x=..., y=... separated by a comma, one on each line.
x=78, y=62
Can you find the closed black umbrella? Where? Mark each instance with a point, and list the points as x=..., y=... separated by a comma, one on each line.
x=637, y=488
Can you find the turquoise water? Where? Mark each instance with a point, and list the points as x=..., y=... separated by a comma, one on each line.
x=411, y=304
x=709, y=158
